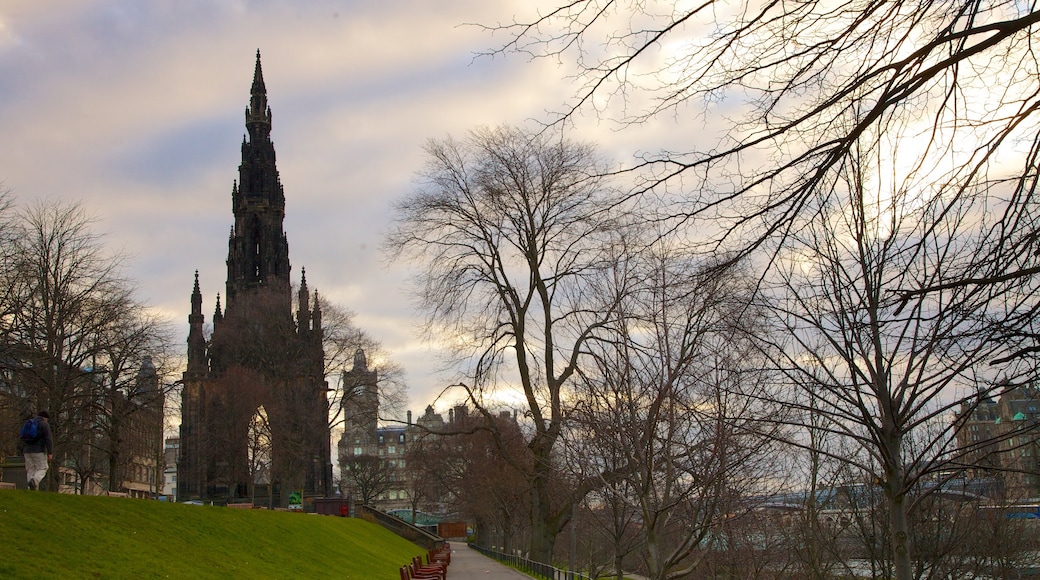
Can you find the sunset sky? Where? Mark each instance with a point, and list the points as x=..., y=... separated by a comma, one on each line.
x=136, y=108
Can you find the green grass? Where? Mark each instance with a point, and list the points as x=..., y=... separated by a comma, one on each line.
x=48, y=535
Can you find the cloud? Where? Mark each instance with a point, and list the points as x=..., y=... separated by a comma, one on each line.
x=136, y=109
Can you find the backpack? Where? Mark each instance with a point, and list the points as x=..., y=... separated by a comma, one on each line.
x=30, y=430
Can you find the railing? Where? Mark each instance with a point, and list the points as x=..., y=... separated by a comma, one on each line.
x=400, y=527
x=530, y=566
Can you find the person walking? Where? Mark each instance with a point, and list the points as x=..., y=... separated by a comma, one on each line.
x=38, y=451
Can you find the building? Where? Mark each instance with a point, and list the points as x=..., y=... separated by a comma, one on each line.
x=170, y=450
x=1000, y=439
x=254, y=403
x=373, y=460
x=113, y=445
x=378, y=462
x=373, y=468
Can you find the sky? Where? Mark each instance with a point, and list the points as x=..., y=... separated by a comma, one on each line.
x=136, y=110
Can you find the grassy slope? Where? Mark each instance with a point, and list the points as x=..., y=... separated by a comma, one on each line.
x=47, y=535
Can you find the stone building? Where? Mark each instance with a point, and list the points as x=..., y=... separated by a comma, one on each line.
x=1000, y=440
x=254, y=404
x=117, y=441
x=373, y=458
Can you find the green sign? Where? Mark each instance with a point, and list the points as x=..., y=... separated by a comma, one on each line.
x=295, y=500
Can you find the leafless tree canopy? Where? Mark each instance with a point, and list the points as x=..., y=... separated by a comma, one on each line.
x=340, y=340
x=513, y=230
x=875, y=161
x=674, y=404
x=795, y=86
x=75, y=338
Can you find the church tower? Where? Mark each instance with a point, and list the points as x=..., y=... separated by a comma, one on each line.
x=254, y=405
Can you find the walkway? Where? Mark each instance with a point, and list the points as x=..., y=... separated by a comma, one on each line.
x=467, y=563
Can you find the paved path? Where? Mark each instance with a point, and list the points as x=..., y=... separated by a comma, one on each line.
x=469, y=564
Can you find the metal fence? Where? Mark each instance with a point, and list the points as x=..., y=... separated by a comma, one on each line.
x=530, y=566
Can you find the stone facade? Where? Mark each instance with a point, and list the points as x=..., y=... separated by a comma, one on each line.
x=1000, y=440
x=373, y=458
x=254, y=420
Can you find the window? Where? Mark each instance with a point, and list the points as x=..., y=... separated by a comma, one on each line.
x=357, y=451
x=393, y=450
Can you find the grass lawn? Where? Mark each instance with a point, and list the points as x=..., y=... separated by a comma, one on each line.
x=48, y=535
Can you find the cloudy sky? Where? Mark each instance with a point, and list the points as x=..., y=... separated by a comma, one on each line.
x=136, y=110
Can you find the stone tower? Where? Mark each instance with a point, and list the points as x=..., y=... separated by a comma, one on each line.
x=254, y=417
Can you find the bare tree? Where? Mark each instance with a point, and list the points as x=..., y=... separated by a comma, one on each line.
x=9, y=269
x=947, y=95
x=869, y=367
x=12, y=401
x=510, y=230
x=370, y=476
x=612, y=520
x=130, y=370
x=341, y=339
x=798, y=85
x=678, y=394
x=75, y=332
x=259, y=449
x=479, y=467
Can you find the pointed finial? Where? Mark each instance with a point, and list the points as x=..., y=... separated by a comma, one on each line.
x=216, y=311
x=196, y=301
x=258, y=76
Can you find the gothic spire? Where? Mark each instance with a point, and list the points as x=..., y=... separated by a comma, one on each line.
x=303, y=312
x=316, y=313
x=258, y=115
x=258, y=77
x=258, y=252
x=196, y=297
x=196, y=339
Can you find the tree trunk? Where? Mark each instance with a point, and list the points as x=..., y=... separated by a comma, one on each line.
x=653, y=555
x=894, y=493
x=114, y=472
x=900, y=535
x=543, y=527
